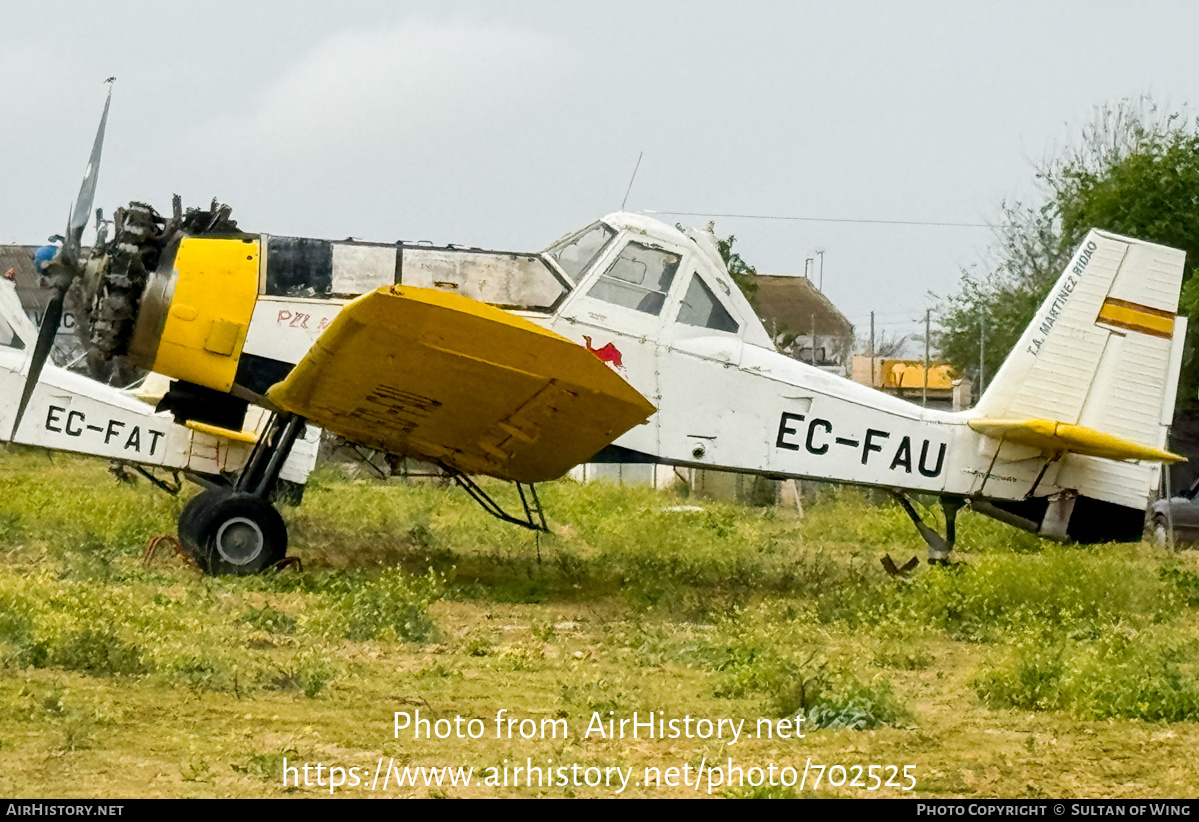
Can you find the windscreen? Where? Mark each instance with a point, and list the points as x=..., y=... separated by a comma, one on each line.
x=576, y=253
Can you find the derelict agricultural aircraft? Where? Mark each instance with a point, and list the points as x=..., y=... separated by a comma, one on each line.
x=625, y=341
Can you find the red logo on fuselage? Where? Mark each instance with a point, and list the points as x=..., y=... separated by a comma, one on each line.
x=608, y=353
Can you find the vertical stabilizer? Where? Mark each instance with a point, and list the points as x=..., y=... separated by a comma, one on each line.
x=1102, y=352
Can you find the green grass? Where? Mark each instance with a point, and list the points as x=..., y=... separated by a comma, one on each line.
x=1123, y=672
x=410, y=597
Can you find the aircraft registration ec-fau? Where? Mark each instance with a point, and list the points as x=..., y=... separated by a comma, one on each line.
x=625, y=341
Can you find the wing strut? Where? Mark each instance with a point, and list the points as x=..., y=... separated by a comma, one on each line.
x=530, y=501
x=1040, y=476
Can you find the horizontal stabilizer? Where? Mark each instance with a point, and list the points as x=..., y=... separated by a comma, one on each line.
x=1059, y=437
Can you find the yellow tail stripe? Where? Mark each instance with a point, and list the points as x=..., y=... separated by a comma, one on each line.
x=1134, y=317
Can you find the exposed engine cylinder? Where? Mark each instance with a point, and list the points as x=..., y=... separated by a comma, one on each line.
x=108, y=297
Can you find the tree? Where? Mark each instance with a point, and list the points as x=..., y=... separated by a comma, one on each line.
x=886, y=346
x=991, y=310
x=742, y=272
x=1132, y=171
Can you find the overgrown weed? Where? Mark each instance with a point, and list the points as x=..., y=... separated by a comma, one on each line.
x=750, y=610
x=1136, y=674
x=1063, y=586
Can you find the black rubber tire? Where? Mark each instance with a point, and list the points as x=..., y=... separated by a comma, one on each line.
x=187, y=519
x=227, y=532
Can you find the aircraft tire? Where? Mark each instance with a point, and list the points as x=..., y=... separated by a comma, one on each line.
x=187, y=519
x=228, y=532
x=1161, y=535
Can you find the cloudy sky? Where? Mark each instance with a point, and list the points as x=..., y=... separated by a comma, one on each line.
x=508, y=124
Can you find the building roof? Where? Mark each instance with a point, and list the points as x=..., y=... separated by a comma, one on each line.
x=34, y=299
x=29, y=285
x=19, y=258
x=791, y=304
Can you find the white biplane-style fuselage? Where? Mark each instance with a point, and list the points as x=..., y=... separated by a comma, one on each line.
x=657, y=306
x=1077, y=416
x=70, y=412
x=625, y=341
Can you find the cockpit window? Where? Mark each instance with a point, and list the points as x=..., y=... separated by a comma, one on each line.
x=7, y=338
x=577, y=252
x=639, y=278
x=701, y=308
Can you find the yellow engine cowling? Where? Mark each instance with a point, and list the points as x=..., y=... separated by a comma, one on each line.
x=196, y=310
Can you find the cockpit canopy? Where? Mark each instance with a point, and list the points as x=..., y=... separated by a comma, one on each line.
x=654, y=269
x=575, y=253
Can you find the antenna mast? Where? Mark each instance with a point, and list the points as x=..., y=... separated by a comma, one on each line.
x=631, y=179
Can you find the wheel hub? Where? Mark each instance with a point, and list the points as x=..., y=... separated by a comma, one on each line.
x=239, y=541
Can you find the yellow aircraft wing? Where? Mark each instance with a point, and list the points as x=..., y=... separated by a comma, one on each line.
x=1050, y=435
x=443, y=378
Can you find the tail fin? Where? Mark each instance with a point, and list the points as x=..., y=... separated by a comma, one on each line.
x=1103, y=352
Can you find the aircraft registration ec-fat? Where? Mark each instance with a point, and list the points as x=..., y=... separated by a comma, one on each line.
x=625, y=341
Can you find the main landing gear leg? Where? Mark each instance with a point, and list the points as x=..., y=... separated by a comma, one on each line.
x=237, y=530
x=938, y=546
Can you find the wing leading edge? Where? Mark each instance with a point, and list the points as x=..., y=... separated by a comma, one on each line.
x=439, y=377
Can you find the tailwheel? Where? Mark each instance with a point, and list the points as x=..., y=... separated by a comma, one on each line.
x=231, y=532
x=938, y=546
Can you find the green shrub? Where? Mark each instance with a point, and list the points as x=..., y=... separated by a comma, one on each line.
x=309, y=672
x=1031, y=679
x=1137, y=674
x=1063, y=586
x=96, y=651
x=1185, y=582
x=266, y=766
x=844, y=701
x=390, y=601
x=202, y=673
x=269, y=619
x=10, y=527
x=479, y=642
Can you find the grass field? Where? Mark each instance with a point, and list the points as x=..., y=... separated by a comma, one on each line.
x=1030, y=670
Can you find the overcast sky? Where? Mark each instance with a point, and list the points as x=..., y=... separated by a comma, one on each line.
x=508, y=124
